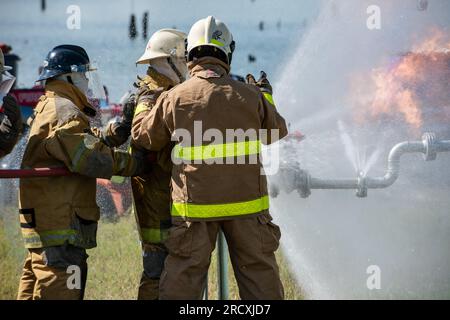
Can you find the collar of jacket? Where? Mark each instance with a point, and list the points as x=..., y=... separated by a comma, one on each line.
x=66, y=90
x=208, y=67
x=154, y=79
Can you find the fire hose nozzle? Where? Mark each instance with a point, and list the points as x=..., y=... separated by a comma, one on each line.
x=429, y=142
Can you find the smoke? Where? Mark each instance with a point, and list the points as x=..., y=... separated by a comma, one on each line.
x=332, y=237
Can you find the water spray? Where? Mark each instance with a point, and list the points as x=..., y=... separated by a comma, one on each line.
x=292, y=177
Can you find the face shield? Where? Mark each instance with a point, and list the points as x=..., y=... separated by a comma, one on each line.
x=89, y=82
x=6, y=83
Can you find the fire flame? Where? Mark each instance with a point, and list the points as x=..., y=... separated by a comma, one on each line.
x=415, y=89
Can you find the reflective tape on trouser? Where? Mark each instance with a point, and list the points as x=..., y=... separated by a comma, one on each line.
x=154, y=235
x=205, y=211
x=213, y=151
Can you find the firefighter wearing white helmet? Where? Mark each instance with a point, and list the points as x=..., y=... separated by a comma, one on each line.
x=210, y=32
x=10, y=116
x=165, y=52
x=213, y=189
x=165, y=57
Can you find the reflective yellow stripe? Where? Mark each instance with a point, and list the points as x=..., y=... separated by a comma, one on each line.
x=153, y=235
x=191, y=210
x=213, y=41
x=140, y=108
x=216, y=42
x=117, y=179
x=200, y=41
x=269, y=98
x=214, y=151
x=34, y=239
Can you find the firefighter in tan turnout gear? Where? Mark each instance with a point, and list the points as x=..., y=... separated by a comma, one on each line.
x=10, y=116
x=58, y=215
x=165, y=54
x=217, y=184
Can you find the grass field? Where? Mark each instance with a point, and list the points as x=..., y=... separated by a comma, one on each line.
x=114, y=266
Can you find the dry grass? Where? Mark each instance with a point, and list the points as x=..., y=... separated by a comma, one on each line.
x=114, y=266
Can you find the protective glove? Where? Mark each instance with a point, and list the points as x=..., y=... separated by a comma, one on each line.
x=263, y=83
x=128, y=109
x=145, y=160
x=10, y=125
x=10, y=116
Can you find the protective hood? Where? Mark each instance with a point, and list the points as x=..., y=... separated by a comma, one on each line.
x=162, y=66
x=66, y=90
x=208, y=63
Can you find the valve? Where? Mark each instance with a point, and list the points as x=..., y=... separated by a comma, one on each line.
x=303, y=187
x=429, y=141
x=362, y=185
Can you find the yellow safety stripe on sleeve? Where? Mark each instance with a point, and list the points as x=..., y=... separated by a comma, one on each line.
x=80, y=155
x=154, y=235
x=117, y=179
x=140, y=108
x=269, y=98
x=214, y=151
x=205, y=211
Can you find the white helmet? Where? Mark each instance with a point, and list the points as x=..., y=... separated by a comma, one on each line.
x=2, y=63
x=164, y=43
x=166, y=52
x=211, y=32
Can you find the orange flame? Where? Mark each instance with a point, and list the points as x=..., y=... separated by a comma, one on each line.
x=419, y=81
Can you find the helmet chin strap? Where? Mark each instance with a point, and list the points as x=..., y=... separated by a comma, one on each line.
x=175, y=69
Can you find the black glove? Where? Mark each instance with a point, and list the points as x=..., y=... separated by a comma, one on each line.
x=11, y=117
x=263, y=83
x=128, y=109
x=10, y=125
x=145, y=160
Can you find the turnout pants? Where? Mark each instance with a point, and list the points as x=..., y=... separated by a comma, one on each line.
x=252, y=243
x=54, y=273
x=151, y=195
x=153, y=257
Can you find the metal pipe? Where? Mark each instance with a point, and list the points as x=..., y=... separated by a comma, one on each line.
x=222, y=266
x=429, y=146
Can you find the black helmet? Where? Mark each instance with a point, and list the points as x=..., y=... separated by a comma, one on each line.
x=63, y=59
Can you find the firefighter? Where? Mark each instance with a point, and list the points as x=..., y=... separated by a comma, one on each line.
x=10, y=116
x=165, y=55
x=58, y=215
x=215, y=186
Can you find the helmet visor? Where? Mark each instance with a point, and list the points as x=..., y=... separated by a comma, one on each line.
x=96, y=90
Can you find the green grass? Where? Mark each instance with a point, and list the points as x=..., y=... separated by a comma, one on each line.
x=114, y=266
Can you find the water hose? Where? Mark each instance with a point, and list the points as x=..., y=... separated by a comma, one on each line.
x=34, y=173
